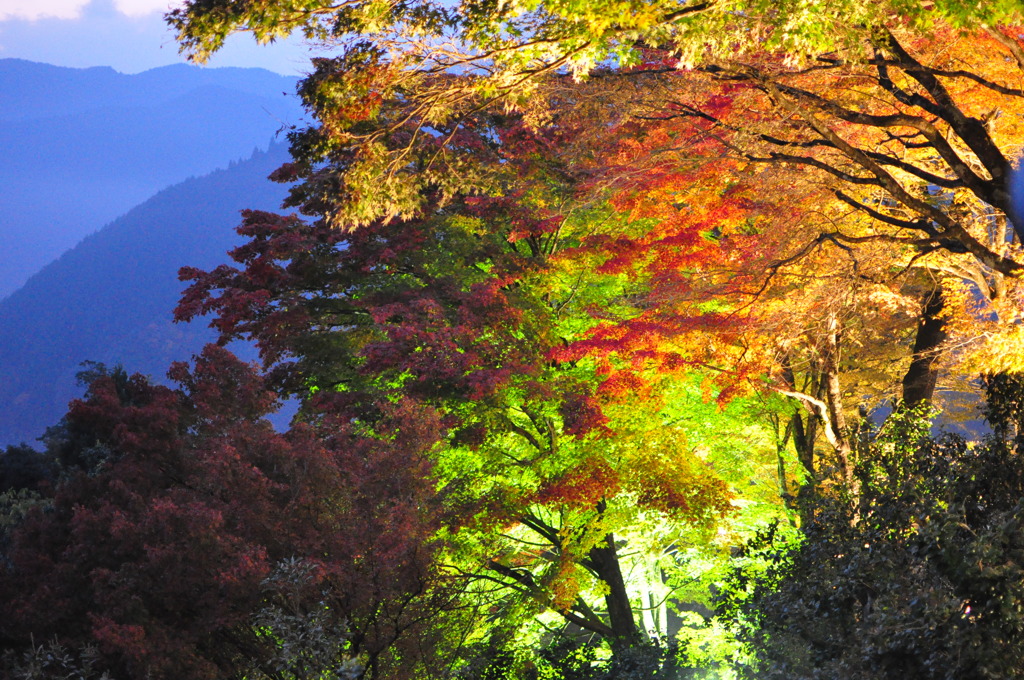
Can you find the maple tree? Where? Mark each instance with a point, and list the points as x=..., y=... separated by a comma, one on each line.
x=898, y=221
x=529, y=215
x=901, y=111
x=551, y=466
x=915, y=142
x=205, y=541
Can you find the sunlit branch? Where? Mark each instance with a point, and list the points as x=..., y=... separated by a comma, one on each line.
x=947, y=225
x=816, y=407
x=583, y=620
x=920, y=224
x=981, y=187
x=538, y=525
x=971, y=130
x=945, y=73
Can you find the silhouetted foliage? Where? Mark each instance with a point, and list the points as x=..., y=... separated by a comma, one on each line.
x=923, y=579
x=22, y=467
x=1004, y=407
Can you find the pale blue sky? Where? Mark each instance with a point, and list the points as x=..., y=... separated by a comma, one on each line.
x=128, y=35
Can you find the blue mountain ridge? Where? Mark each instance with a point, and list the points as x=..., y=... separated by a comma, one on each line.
x=35, y=90
x=110, y=299
x=79, y=147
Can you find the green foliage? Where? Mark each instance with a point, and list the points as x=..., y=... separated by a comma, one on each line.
x=54, y=661
x=921, y=578
x=308, y=643
x=565, y=657
x=577, y=34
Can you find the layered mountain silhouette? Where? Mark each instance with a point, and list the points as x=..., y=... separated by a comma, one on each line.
x=78, y=147
x=110, y=299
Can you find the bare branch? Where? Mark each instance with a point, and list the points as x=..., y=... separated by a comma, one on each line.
x=815, y=407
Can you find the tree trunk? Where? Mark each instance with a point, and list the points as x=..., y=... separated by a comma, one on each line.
x=803, y=437
x=919, y=380
x=834, y=399
x=605, y=559
x=803, y=442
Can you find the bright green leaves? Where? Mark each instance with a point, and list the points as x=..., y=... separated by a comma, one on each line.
x=203, y=25
x=530, y=37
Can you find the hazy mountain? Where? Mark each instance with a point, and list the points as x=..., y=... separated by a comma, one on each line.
x=33, y=90
x=110, y=298
x=78, y=147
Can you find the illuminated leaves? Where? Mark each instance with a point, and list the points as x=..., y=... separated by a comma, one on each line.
x=475, y=311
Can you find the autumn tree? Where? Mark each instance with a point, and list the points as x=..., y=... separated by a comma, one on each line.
x=899, y=113
x=205, y=544
x=705, y=146
x=554, y=467
x=898, y=135
x=741, y=287
x=787, y=187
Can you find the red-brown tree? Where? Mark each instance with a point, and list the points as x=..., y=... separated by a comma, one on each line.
x=168, y=557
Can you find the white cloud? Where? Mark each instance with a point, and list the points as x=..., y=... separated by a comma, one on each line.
x=104, y=34
x=33, y=10
x=41, y=9
x=137, y=8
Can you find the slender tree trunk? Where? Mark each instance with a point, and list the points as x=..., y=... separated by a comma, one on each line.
x=803, y=441
x=919, y=380
x=834, y=399
x=780, y=466
x=605, y=559
x=803, y=436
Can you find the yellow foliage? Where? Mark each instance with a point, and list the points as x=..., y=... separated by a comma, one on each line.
x=997, y=351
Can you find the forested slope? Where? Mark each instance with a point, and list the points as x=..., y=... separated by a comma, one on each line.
x=79, y=147
x=110, y=298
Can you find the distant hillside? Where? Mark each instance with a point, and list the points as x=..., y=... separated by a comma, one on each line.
x=78, y=147
x=110, y=298
x=33, y=90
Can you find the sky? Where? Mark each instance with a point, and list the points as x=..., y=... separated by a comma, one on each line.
x=128, y=35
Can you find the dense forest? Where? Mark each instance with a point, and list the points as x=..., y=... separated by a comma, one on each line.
x=624, y=336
